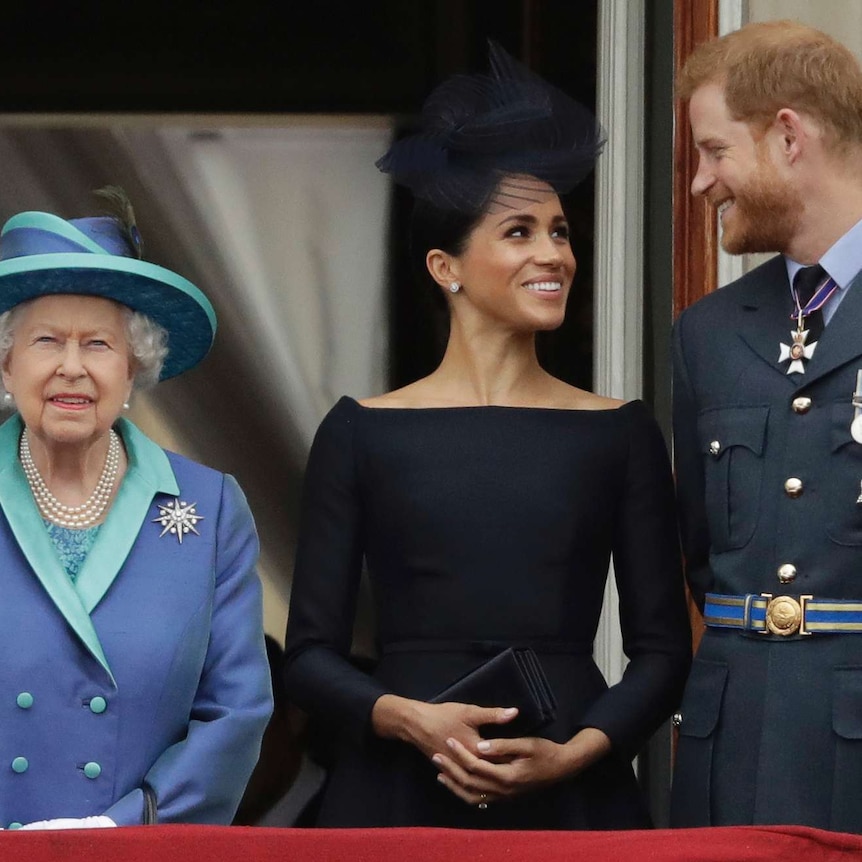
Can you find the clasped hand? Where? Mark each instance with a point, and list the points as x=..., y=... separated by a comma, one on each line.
x=499, y=767
x=483, y=770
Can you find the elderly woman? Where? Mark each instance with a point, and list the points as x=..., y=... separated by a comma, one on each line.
x=487, y=500
x=134, y=680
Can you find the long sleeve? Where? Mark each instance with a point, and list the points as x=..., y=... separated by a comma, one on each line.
x=201, y=778
x=318, y=675
x=653, y=618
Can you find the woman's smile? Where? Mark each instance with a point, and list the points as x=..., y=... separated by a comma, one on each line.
x=549, y=289
x=70, y=402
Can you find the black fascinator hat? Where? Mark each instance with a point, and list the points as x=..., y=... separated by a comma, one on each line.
x=479, y=129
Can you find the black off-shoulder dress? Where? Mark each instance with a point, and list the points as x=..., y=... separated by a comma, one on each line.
x=484, y=527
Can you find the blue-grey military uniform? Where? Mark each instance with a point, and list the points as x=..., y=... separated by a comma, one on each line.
x=769, y=480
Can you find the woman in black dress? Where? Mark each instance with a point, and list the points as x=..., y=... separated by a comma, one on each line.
x=487, y=500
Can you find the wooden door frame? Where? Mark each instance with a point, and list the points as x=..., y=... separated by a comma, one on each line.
x=695, y=242
x=695, y=245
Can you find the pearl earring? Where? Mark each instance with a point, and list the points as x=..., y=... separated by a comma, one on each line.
x=454, y=287
x=125, y=405
x=7, y=399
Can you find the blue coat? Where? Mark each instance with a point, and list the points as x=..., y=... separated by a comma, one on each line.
x=771, y=726
x=150, y=668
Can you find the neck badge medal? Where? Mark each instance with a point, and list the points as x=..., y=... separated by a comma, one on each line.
x=799, y=351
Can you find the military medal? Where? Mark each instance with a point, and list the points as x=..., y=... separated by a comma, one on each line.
x=798, y=351
x=856, y=424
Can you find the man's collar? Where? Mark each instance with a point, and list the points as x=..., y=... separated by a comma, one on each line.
x=842, y=261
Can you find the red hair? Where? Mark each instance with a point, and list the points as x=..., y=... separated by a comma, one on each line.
x=767, y=66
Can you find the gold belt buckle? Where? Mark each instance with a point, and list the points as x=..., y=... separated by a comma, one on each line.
x=785, y=615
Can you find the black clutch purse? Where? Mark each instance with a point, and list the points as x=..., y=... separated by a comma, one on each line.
x=512, y=678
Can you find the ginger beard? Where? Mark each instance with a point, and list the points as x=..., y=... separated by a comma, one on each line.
x=764, y=216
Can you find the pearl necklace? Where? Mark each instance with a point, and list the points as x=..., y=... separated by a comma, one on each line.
x=85, y=515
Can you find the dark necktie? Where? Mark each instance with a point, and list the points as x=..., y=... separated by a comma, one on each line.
x=805, y=283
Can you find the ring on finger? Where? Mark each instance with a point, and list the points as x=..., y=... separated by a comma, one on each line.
x=483, y=801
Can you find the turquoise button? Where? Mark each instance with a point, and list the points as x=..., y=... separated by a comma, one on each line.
x=92, y=769
x=24, y=700
x=20, y=764
x=15, y=825
x=98, y=705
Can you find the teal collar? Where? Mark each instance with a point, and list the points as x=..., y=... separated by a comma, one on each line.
x=149, y=473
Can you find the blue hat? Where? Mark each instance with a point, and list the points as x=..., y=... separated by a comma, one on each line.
x=44, y=255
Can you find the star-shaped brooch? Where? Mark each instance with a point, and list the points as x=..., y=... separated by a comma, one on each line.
x=178, y=518
x=796, y=351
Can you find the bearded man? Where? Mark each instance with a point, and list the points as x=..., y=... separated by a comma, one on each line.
x=768, y=438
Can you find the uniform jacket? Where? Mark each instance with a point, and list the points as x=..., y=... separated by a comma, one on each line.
x=150, y=668
x=771, y=727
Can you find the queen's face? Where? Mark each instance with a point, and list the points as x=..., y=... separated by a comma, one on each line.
x=69, y=368
x=518, y=265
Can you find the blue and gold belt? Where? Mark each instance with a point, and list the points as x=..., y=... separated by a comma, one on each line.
x=783, y=615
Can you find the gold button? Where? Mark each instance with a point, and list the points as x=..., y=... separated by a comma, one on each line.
x=793, y=487
x=714, y=447
x=801, y=404
x=786, y=573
